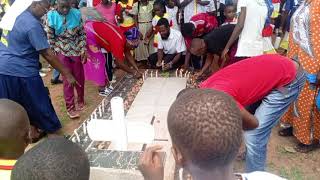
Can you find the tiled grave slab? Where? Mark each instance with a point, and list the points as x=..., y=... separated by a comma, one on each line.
x=156, y=96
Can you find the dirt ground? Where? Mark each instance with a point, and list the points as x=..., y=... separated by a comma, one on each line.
x=281, y=159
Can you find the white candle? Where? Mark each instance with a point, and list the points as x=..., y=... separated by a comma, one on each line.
x=181, y=73
x=117, y=108
x=151, y=73
x=146, y=74
x=77, y=135
x=100, y=111
x=156, y=73
x=177, y=73
x=85, y=127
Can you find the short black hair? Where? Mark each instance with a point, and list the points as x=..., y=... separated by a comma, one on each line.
x=163, y=22
x=54, y=158
x=231, y=5
x=187, y=29
x=206, y=127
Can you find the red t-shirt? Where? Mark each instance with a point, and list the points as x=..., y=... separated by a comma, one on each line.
x=111, y=38
x=248, y=81
x=204, y=23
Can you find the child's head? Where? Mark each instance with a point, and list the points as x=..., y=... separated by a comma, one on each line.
x=159, y=8
x=54, y=158
x=14, y=129
x=170, y=3
x=74, y=4
x=187, y=30
x=230, y=12
x=206, y=129
x=63, y=7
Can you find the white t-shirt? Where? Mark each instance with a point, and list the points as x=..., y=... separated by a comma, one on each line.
x=173, y=16
x=258, y=175
x=251, y=41
x=174, y=44
x=192, y=9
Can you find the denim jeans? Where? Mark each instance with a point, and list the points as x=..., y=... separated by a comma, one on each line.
x=55, y=75
x=272, y=108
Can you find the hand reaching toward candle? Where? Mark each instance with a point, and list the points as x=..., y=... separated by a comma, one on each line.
x=151, y=165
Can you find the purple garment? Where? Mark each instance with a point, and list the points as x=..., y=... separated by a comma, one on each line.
x=74, y=65
x=95, y=67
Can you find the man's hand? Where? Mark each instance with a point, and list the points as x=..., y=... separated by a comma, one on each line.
x=224, y=55
x=137, y=74
x=198, y=75
x=151, y=165
x=72, y=81
x=167, y=66
x=159, y=63
x=84, y=57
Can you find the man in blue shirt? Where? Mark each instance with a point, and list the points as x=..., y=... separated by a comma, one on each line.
x=19, y=67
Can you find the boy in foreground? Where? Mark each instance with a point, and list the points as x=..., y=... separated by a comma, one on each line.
x=206, y=131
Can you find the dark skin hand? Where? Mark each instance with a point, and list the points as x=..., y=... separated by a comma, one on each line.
x=175, y=60
x=151, y=165
x=235, y=34
x=249, y=122
x=55, y=63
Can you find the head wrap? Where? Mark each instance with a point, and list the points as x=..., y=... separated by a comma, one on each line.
x=18, y=7
x=133, y=36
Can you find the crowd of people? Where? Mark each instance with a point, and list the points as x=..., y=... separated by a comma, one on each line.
x=257, y=63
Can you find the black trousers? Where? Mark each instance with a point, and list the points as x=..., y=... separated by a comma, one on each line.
x=153, y=58
x=108, y=65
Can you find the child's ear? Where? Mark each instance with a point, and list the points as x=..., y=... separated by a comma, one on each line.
x=177, y=156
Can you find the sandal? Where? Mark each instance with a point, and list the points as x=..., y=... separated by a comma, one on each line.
x=303, y=148
x=286, y=132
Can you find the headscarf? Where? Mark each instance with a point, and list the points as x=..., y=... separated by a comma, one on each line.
x=133, y=36
x=18, y=7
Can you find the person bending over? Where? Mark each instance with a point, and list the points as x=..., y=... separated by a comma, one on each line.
x=211, y=45
x=274, y=79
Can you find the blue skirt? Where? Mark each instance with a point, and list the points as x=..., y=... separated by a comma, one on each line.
x=30, y=93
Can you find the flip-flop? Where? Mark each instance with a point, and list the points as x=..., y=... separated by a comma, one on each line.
x=302, y=148
x=286, y=132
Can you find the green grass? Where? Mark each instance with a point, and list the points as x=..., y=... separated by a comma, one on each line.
x=293, y=173
x=63, y=117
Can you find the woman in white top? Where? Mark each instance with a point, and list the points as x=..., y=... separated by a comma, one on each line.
x=251, y=21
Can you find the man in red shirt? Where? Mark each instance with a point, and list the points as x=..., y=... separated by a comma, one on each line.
x=276, y=80
x=199, y=25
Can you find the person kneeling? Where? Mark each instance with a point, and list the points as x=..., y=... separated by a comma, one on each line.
x=171, y=45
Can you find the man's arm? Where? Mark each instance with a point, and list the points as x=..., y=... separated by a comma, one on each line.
x=206, y=65
x=249, y=122
x=187, y=60
x=55, y=63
